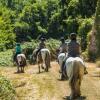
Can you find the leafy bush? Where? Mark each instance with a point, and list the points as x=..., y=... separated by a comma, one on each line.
x=84, y=28
x=85, y=55
x=28, y=48
x=7, y=92
x=7, y=41
x=98, y=63
x=6, y=58
x=51, y=44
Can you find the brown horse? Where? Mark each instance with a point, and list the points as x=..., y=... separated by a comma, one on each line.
x=42, y=58
x=21, y=62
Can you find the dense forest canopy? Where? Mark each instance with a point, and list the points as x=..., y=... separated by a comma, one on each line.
x=23, y=20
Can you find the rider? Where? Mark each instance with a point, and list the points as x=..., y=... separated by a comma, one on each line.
x=18, y=50
x=73, y=50
x=63, y=46
x=41, y=45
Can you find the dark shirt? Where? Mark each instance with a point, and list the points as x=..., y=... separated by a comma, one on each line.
x=73, y=49
x=42, y=45
x=63, y=48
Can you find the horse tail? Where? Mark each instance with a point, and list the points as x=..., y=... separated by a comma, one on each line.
x=24, y=61
x=75, y=74
x=47, y=60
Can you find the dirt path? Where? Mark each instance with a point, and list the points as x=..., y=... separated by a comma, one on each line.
x=46, y=86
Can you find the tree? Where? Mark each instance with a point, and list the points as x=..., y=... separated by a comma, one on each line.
x=97, y=27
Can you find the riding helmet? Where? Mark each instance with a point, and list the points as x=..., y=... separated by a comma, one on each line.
x=73, y=36
x=42, y=39
x=62, y=39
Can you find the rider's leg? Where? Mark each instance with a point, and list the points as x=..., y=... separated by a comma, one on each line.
x=63, y=70
x=15, y=55
x=63, y=64
x=38, y=50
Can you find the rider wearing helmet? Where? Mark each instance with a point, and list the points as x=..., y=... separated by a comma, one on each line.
x=73, y=46
x=63, y=46
x=41, y=45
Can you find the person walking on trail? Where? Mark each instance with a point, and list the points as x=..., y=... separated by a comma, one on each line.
x=73, y=50
x=63, y=46
x=18, y=50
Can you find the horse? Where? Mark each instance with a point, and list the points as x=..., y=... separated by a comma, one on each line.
x=60, y=59
x=74, y=68
x=21, y=62
x=42, y=58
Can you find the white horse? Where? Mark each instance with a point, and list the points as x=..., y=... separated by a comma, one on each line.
x=74, y=70
x=61, y=57
x=42, y=58
x=21, y=62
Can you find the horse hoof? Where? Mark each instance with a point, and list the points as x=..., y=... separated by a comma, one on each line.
x=18, y=71
x=42, y=67
x=60, y=71
x=39, y=72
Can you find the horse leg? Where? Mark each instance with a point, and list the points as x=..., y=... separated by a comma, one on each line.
x=77, y=89
x=46, y=65
x=17, y=69
x=72, y=83
x=22, y=69
x=39, y=67
x=62, y=76
x=42, y=66
x=72, y=95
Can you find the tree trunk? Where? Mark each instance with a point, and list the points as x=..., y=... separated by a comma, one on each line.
x=94, y=36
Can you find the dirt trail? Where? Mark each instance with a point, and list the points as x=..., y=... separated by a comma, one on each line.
x=46, y=86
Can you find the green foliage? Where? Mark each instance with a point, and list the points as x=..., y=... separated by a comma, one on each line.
x=27, y=48
x=51, y=44
x=98, y=63
x=6, y=58
x=7, y=41
x=7, y=37
x=87, y=7
x=7, y=92
x=27, y=19
x=84, y=27
x=85, y=55
x=97, y=27
x=73, y=8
